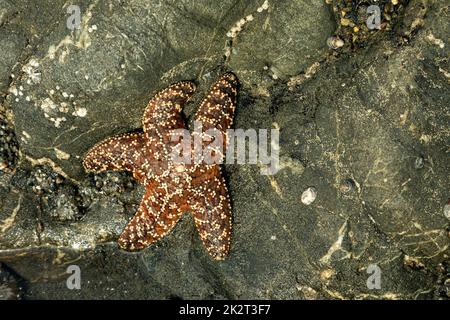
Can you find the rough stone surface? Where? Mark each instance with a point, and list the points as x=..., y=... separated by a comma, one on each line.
x=366, y=125
x=11, y=285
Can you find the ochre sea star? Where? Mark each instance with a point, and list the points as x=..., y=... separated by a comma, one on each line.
x=173, y=188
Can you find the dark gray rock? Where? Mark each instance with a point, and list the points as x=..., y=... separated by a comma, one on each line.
x=353, y=123
x=11, y=285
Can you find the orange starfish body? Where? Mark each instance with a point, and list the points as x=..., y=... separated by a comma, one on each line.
x=172, y=188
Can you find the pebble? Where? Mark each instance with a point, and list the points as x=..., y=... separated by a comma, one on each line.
x=308, y=196
x=335, y=42
x=447, y=210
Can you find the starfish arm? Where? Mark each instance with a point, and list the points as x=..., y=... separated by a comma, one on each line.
x=217, y=109
x=163, y=111
x=157, y=215
x=120, y=153
x=211, y=209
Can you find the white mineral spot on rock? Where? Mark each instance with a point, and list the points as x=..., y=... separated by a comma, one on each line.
x=26, y=135
x=14, y=90
x=34, y=63
x=61, y=154
x=309, y=195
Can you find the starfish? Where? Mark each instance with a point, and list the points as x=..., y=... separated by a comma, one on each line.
x=172, y=188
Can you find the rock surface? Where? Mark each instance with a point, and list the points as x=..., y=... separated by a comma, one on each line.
x=366, y=125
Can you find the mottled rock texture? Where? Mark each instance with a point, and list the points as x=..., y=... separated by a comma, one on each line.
x=366, y=125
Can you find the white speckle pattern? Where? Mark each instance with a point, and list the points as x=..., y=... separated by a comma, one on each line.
x=239, y=25
x=81, y=112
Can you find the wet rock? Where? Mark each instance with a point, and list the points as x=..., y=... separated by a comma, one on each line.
x=87, y=91
x=269, y=45
x=41, y=207
x=11, y=285
x=443, y=283
x=361, y=21
x=352, y=124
